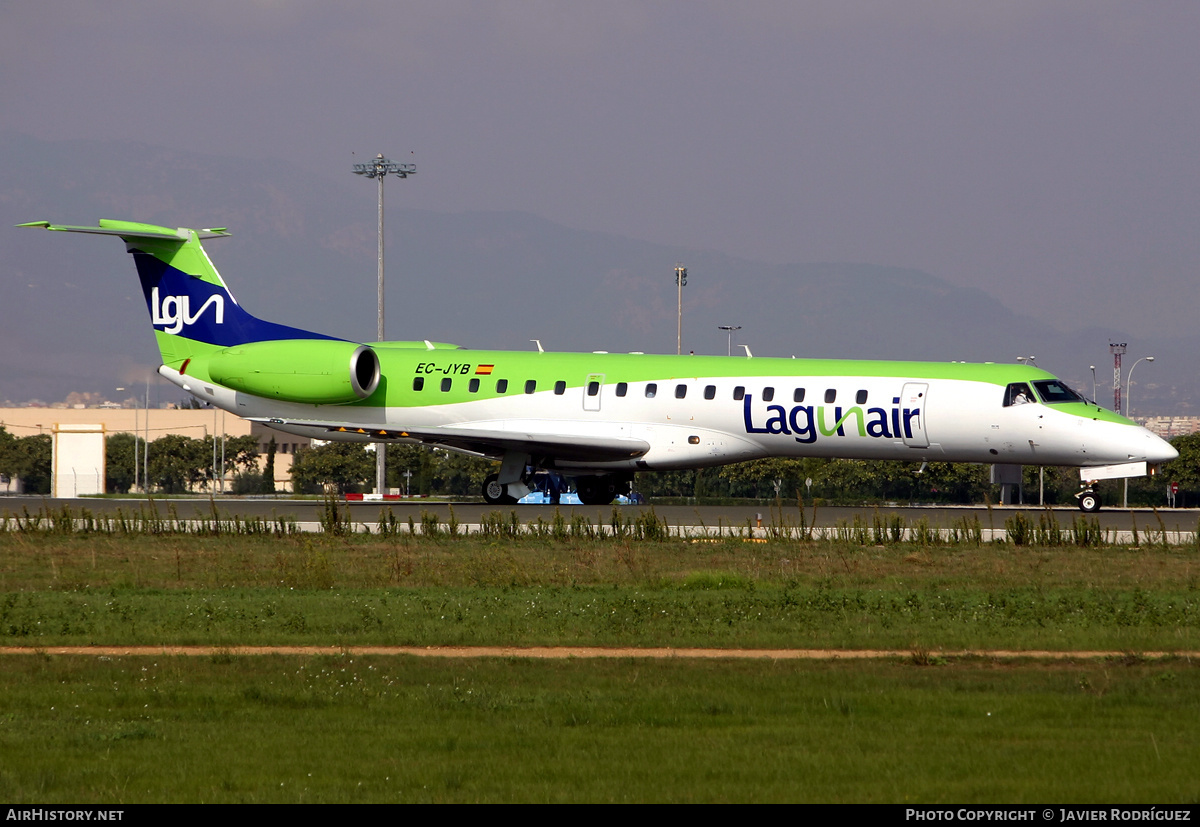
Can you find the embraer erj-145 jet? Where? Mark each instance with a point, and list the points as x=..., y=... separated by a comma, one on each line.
x=601, y=417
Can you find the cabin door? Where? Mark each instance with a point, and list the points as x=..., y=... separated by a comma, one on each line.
x=591, y=391
x=914, y=401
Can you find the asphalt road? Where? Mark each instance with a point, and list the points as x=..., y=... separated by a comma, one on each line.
x=1184, y=519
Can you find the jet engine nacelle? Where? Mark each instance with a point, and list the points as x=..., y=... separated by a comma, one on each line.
x=313, y=371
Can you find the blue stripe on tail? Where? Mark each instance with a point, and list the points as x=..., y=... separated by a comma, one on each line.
x=190, y=307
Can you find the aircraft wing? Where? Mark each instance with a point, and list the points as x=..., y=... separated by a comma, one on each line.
x=488, y=442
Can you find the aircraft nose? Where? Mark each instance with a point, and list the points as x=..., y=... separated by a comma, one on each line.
x=1158, y=449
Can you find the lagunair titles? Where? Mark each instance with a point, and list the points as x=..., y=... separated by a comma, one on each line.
x=598, y=418
x=804, y=421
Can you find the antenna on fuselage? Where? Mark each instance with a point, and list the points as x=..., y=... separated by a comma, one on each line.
x=538, y=342
x=749, y=355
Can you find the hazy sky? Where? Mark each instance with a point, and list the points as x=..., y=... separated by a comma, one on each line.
x=1043, y=151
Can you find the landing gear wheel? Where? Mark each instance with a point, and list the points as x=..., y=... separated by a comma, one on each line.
x=596, y=490
x=602, y=489
x=496, y=494
x=1089, y=503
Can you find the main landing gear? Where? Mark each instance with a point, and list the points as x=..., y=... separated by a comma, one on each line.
x=602, y=489
x=597, y=489
x=494, y=493
x=1089, y=500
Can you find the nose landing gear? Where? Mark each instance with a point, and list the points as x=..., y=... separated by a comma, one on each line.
x=1089, y=501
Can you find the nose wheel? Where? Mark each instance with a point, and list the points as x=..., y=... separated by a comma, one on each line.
x=1089, y=502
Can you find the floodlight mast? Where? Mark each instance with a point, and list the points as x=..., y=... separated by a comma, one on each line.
x=1117, y=351
x=680, y=283
x=379, y=168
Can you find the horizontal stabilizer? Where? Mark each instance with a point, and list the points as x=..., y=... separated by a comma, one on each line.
x=130, y=229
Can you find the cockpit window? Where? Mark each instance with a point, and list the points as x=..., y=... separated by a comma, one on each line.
x=1018, y=393
x=1055, y=393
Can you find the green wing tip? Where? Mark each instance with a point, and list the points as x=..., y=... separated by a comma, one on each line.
x=42, y=224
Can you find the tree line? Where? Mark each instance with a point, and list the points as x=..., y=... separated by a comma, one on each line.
x=178, y=464
x=416, y=470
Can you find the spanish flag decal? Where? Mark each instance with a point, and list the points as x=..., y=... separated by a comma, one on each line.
x=484, y=370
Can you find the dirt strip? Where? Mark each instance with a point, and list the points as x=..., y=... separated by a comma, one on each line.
x=562, y=652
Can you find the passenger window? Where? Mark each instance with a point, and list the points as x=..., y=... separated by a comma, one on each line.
x=560, y=387
x=798, y=395
x=446, y=383
x=861, y=398
x=473, y=386
x=710, y=391
x=593, y=388
x=418, y=382
x=768, y=394
x=830, y=395
x=501, y=386
x=651, y=390
x=680, y=391
x=622, y=388
x=1018, y=393
x=739, y=393
x=530, y=385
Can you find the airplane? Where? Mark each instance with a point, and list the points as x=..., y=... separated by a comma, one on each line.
x=601, y=417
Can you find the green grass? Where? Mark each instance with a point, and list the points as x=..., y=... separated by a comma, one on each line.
x=925, y=728
x=171, y=561
x=768, y=616
x=173, y=589
x=354, y=729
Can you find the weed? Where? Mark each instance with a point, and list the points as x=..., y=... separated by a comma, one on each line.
x=1019, y=529
x=923, y=657
x=430, y=524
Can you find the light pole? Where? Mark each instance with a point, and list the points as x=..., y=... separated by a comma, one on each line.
x=1129, y=408
x=146, y=452
x=729, y=328
x=1026, y=360
x=1129, y=384
x=135, y=444
x=379, y=168
x=680, y=283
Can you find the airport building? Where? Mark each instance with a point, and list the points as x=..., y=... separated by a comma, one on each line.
x=150, y=425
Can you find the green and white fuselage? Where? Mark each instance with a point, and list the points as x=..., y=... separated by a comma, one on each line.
x=910, y=410
x=603, y=416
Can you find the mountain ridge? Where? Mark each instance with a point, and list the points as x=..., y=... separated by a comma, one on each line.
x=303, y=253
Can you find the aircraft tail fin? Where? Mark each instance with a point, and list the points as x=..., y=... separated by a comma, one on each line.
x=191, y=309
